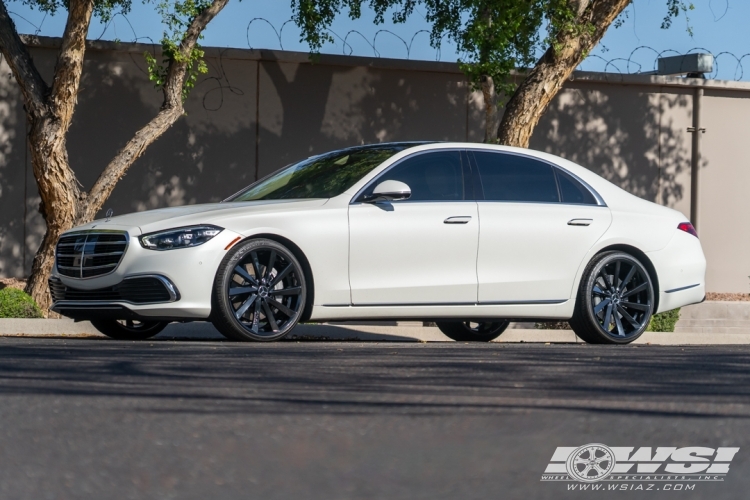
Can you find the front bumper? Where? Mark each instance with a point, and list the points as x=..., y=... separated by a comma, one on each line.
x=190, y=271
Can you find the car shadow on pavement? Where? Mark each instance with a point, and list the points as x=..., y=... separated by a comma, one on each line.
x=373, y=378
x=381, y=331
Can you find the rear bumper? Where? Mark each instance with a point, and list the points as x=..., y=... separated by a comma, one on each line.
x=681, y=272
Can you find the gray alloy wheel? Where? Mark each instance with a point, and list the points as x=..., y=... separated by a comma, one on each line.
x=259, y=292
x=473, y=331
x=129, y=329
x=615, y=300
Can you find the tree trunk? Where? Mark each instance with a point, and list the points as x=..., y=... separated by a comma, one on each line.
x=544, y=81
x=491, y=117
x=50, y=113
x=58, y=186
x=60, y=200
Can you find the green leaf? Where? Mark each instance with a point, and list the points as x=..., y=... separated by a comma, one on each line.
x=176, y=17
x=16, y=303
x=492, y=37
x=664, y=322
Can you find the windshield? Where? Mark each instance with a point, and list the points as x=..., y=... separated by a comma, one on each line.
x=323, y=176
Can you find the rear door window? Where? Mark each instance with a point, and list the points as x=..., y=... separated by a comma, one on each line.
x=573, y=191
x=516, y=178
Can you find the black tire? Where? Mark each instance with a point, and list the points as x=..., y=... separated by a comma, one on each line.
x=615, y=300
x=259, y=292
x=129, y=329
x=473, y=331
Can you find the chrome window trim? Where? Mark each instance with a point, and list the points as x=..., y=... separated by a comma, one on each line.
x=556, y=203
x=94, y=231
x=599, y=200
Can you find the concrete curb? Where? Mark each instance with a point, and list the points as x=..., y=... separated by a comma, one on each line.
x=399, y=332
x=712, y=317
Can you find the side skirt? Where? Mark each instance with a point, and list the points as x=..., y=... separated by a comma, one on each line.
x=553, y=310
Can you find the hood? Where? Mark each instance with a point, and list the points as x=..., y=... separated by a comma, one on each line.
x=208, y=213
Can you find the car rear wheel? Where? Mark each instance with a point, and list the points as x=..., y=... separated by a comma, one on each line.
x=259, y=292
x=473, y=331
x=129, y=329
x=615, y=300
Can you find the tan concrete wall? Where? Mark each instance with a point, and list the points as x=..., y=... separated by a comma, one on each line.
x=724, y=188
x=257, y=111
x=14, y=208
x=310, y=108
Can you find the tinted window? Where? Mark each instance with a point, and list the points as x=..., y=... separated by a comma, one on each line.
x=509, y=177
x=573, y=191
x=431, y=176
x=323, y=176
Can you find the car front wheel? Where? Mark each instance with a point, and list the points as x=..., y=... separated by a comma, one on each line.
x=259, y=292
x=615, y=300
x=472, y=331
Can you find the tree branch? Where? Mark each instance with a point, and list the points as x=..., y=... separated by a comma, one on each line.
x=176, y=69
x=544, y=81
x=17, y=56
x=171, y=111
x=69, y=65
x=580, y=6
x=119, y=165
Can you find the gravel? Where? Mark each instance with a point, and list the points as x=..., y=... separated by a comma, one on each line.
x=728, y=297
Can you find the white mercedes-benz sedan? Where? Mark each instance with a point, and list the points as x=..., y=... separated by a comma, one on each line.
x=469, y=236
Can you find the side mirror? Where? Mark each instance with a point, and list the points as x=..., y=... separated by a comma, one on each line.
x=389, y=191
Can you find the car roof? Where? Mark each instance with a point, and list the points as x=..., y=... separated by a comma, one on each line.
x=401, y=145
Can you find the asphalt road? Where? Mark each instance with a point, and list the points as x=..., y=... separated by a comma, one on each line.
x=344, y=420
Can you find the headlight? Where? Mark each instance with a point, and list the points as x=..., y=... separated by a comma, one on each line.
x=179, y=237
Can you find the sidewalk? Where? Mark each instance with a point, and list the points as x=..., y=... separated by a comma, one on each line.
x=400, y=332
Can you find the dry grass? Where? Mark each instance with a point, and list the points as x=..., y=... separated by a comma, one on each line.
x=12, y=283
x=728, y=297
x=552, y=325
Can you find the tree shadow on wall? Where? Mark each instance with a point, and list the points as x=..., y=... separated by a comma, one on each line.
x=205, y=155
x=12, y=176
x=308, y=109
x=305, y=109
x=628, y=138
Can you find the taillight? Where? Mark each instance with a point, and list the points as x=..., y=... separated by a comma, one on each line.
x=688, y=228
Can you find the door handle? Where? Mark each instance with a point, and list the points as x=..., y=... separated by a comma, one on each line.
x=580, y=222
x=459, y=219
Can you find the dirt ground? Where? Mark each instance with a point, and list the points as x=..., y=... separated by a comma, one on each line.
x=12, y=283
x=729, y=297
